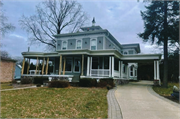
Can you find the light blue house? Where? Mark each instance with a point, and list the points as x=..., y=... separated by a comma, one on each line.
x=91, y=53
x=17, y=73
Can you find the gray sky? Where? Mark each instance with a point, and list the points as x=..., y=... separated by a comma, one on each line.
x=120, y=17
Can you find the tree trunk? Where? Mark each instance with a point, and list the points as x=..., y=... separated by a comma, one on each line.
x=165, y=80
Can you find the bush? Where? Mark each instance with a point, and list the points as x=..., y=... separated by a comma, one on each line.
x=58, y=84
x=40, y=80
x=88, y=82
x=38, y=85
x=105, y=83
x=14, y=81
x=26, y=80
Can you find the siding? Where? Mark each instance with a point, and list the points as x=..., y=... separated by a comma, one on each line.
x=71, y=44
x=87, y=44
x=109, y=45
x=99, y=43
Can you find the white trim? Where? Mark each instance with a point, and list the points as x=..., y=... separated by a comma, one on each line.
x=157, y=62
x=155, y=70
x=65, y=46
x=112, y=66
x=104, y=43
x=91, y=42
x=66, y=65
x=109, y=66
x=88, y=65
x=76, y=43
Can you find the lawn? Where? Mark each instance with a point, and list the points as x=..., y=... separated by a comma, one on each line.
x=54, y=103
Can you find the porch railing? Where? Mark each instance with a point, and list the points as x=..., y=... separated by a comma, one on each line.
x=100, y=72
x=116, y=73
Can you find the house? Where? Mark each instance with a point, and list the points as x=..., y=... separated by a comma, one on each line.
x=7, y=67
x=92, y=53
x=17, y=73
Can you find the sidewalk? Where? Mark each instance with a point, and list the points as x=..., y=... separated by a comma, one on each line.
x=114, y=111
x=18, y=88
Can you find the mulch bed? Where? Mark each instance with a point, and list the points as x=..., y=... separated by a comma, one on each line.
x=172, y=99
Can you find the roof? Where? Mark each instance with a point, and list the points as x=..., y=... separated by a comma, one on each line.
x=7, y=59
x=136, y=46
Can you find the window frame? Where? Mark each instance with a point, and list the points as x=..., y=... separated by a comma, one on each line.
x=65, y=46
x=95, y=43
x=67, y=58
x=77, y=42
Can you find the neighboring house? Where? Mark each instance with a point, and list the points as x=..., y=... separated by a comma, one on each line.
x=92, y=53
x=7, y=67
x=17, y=73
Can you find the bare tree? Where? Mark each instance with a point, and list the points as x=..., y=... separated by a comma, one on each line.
x=5, y=27
x=53, y=17
x=4, y=54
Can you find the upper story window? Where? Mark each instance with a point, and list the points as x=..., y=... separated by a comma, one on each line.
x=125, y=53
x=130, y=51
x=93, y=44
x=79, y=44
x=64, y=45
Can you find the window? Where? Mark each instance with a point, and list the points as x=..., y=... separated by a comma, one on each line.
x=131, y=71
x=64, y=45
x=77, y=65
x=68, y=64
x=125, y=53
x=93, y=44
x=78, y=44
x=130, y=51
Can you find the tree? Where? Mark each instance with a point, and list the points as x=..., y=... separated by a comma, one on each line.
x=160, y=22
x=53, y=17
x=5, y=54
x=4, y=26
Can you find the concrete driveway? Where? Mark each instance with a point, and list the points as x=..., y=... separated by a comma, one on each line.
x=137, y=100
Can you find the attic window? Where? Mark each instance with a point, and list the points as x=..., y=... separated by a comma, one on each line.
x=85, y=42
x=70, y=43
x=99, y=41
x=110, y=45
x=58, y=44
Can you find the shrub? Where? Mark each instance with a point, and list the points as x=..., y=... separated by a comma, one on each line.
x=58, y=84
x=38, y=85
x=14, y=81
x=88, y=82
x=109, y=83
x=26, y=80
x=40, y=80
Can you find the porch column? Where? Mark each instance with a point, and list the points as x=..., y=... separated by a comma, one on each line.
x=43, y=66
x=155, y=70
x=60, y=64
x=47, y=65
x=64, y=66
x=119, y=69
x=127, y=72
x=82, y=66
x=112, y=66
x=22, y=71
x=109, y=66
x=28, y=66
x=36, y=66
x=88, y=66
x=157, y=62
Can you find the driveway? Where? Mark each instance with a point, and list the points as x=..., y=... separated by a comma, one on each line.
x=137, y=100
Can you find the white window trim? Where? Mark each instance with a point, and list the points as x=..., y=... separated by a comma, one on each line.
x=65, y=46
x=95, y=43
x=79, y=66
x=77, y=41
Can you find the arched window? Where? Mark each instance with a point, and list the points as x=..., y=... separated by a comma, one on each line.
x=64, y=45
x=78, y=44
x=93, y=44
x=131, y=71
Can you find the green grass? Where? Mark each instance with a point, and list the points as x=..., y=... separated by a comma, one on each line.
x=165, y=91
x=6, y=86
x=54, y=103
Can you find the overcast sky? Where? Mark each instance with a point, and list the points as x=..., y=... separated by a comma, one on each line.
x=120, y=17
